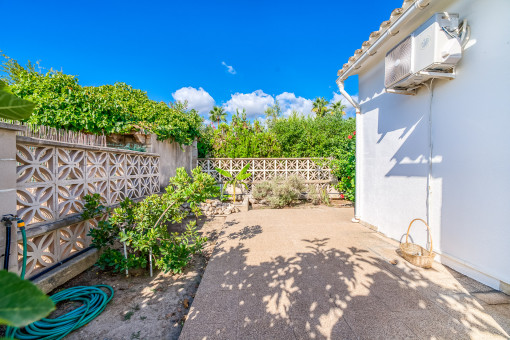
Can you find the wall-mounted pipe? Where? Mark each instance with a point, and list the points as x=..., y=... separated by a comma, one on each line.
x=348, y=97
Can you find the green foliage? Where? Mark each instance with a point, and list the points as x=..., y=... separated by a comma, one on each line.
x=344, y=168
x=273, y=113
x=325, y=197
x=142, y=226
x=239, y=139
x=294, y=136
x=12, y=107
x=113, y=260
x=320, y=107
x=301, y=136
x=21, y=302
x=314, y=195
x=92, y=207
x=171, y=251
x=235, y=181
x=338, y=108
x=218, y=115
x=261, y=191
x=61, y=102
x=176, y=252
x=279, y=192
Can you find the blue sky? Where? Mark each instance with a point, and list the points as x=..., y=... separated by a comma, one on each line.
x=230, y=53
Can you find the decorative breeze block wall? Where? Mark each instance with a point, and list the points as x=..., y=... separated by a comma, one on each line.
x=265, y=169
x=53, y=177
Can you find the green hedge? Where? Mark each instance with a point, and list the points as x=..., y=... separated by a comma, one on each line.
x=62, y=102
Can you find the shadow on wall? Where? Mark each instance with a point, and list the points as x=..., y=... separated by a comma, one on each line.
x=328, y=292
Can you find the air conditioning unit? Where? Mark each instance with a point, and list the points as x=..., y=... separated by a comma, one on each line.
x=432, y=51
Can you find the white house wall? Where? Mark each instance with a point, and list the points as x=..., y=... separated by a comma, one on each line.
x=469, y=202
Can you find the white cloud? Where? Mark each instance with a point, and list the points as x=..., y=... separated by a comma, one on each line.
x=348, y=106
x=289, y=102
x=254, y=103
x=199, y=100
x=230, y=69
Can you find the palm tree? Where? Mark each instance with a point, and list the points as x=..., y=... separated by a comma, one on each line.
x=320, y=107
x=338, y=108
x=217, y=114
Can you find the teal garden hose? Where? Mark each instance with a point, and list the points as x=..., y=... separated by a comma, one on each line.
x=21, y=226
x=93, y=299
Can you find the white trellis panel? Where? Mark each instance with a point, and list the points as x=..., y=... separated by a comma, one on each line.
x=265, y=169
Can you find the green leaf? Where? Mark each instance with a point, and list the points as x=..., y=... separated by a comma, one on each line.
x=244, y=169
x=224, y=172
x=243, y=176
x=12, y=107
x=21, y=302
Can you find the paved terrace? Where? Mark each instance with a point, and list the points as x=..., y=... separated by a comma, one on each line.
x=312, y=274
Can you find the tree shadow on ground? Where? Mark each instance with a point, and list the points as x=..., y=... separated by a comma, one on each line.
x=325, y=290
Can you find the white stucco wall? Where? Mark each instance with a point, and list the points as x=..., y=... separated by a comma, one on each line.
x=469, y=204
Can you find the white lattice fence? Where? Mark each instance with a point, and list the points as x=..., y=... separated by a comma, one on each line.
x=52, y=179
x=265, y=169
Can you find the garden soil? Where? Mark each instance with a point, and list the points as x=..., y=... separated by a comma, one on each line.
x=144, y=307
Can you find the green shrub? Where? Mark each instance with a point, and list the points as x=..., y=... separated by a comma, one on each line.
x=143, y=226
x=279, y=192
x=344, y=168
x=261, y=190
x=313, y=195
x=61, y=102
x=239, y=139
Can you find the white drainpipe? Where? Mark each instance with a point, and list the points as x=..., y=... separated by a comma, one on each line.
x=390, y=32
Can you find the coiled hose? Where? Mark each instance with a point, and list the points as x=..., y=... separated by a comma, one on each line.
x=93, y=299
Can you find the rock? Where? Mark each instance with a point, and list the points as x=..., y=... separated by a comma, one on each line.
x=263, y=202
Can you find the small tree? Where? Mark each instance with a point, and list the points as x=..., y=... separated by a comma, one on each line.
x=234, y=181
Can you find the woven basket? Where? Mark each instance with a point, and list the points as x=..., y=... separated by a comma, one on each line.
x=416, y=254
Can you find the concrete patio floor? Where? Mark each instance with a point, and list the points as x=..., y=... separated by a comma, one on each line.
x=313, y=274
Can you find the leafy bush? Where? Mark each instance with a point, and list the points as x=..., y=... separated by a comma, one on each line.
x=294, y=136
x=171, y=251
x=261, y=190
x=344, y=168
x=142, y=226
x=279, y=192
x=113, y=260
x=62, y=102
x=239, y=139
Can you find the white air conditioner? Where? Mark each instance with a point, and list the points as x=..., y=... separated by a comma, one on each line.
x=432, y=51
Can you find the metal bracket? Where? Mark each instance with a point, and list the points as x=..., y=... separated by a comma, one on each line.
x=438, y=74
x=410, y=92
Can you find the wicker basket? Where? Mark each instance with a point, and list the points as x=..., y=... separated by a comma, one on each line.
x=416, y=254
